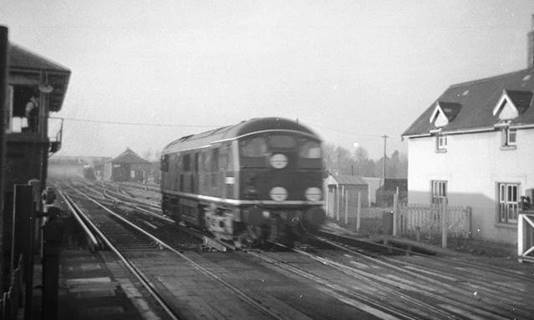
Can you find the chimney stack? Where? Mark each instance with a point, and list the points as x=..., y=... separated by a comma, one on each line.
x=530, y=45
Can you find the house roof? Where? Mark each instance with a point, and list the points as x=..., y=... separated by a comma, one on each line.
x=474, y=102
x=129, y=157
x=351, y=180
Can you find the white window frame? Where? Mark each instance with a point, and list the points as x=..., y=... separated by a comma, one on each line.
x=438, y=190
x=509, y=137
x=507, y=202
x=441, y=143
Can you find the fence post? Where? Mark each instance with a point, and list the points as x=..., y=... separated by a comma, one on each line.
x=443, y=207
x=346, y=207
x=338, y=201
x=358, y=211
x=395, y=210
x=469, y=223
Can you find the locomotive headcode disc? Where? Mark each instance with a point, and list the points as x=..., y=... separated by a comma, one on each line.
x=279, y=161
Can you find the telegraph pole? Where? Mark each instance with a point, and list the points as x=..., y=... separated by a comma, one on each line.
x=384, y=162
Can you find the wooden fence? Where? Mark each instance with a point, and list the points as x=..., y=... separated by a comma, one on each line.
x=420, y=220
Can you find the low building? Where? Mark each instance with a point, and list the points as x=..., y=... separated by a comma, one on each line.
x=342, y=192
x=127, y=166
x=474, y=146
x=373, y=185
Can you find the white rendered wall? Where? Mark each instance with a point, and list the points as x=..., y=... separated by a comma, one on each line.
x=472, y=166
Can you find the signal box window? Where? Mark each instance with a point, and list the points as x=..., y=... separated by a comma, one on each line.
x=22, y=109
x=438, y=190
x=508, y=202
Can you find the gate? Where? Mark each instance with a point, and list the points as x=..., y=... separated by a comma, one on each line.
x=525, y=237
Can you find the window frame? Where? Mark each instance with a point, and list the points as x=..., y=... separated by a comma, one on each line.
x=506, y=139
x=438, y=190
x=508, y=202
x=441, y=143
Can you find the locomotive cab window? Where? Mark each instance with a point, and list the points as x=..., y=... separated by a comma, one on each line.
x=282, y=142
x=253, y=148
x=309, y=154
x=310, y=150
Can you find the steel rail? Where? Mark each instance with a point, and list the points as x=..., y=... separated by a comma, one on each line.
x=243, y=296
x=133, y=269
x=357, y=300
x=400, y=269
x=383, y=283
x=437, y=257
x=81, y=218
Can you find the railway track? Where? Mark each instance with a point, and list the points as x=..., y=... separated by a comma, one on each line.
x=421, y=284
x=376, y=280
x=133, y=247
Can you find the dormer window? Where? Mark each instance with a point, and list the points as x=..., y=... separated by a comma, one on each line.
x=444, y=113
x=511, y=104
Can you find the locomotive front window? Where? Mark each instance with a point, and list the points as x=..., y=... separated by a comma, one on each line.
x=253, y=148
x=282, y=141
x=310, y=150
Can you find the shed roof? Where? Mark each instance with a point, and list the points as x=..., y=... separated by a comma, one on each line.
x=129, y=157
x=348, y=180
x=474, y=102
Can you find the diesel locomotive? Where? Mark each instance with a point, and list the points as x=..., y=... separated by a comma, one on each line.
x=255, y=181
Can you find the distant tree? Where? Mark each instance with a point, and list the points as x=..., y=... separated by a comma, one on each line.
x=329, y=157
x=339, y=160
x=396, y=166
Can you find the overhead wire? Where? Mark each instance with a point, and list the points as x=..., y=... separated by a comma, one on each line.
x=126, y=123
x=177, y=125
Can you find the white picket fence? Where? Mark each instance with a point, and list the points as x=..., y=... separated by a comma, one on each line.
x=425, y=220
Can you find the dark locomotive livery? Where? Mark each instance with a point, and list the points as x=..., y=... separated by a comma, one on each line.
x=257, y=180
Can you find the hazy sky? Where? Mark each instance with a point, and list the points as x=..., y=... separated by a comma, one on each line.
x=351, y=70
